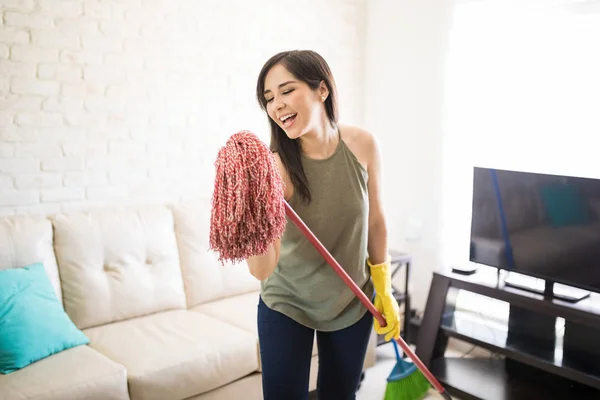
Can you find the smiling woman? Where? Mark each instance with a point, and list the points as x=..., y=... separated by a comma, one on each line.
x=298, y=92
x=331, y=176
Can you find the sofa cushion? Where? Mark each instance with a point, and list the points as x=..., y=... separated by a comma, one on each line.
x=74, y=374
x=237, y=310
x=26, y=240
x=247, y=388
x=240, y=311
x=205, y=277
x=33, y=324
x=176, y=354
x=118, y=263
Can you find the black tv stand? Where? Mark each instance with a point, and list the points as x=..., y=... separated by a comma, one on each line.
x=536, y=360
x=546, y=288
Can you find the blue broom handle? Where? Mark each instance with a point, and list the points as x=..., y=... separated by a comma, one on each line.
x=396, y=350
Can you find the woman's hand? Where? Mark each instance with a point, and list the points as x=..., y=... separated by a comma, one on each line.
x=385, y=302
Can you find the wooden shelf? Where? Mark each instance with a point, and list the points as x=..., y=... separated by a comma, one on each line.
x=521, y=349
x=532, y=359
x=585, y=312
x=489, y=379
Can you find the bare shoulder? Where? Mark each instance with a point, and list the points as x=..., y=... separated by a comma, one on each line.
x=360, y=141
x=288, y=187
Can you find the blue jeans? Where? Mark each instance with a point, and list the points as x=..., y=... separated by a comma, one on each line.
x=286, y=352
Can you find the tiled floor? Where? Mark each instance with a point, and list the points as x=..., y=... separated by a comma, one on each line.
x=374, y=384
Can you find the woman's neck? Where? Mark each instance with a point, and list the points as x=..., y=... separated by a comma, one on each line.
x=320, y=143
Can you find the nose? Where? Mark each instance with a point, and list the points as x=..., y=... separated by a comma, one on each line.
x=277, y=103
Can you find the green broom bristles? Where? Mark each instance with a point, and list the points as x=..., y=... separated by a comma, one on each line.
x=413, y=387
x=405, y=382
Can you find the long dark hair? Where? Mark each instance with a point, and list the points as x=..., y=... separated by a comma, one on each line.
x=309, y=67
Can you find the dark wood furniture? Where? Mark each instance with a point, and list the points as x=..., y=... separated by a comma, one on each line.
x=532, y=358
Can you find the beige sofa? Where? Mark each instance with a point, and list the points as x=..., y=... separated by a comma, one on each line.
x=165, y=320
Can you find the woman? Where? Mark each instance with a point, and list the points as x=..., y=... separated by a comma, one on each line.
x=332, y=177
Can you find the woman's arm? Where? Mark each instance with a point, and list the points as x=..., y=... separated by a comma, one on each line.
x=377, y=239
x=261, y=267
x=379, y=259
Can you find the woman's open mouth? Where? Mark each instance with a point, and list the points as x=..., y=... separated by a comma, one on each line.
x=287, y=120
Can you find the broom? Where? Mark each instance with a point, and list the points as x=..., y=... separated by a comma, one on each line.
x=404, y=382
x=248, y=213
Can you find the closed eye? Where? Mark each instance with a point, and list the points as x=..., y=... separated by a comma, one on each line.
x=285, y=92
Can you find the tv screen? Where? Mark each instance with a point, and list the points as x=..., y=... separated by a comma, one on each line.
x=542, y=225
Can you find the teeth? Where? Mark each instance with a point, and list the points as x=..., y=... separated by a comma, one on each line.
x=282, y=119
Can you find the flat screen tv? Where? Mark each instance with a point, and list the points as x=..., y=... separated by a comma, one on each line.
x=541, y=225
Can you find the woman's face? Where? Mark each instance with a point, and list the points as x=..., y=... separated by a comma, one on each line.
x=291, y=103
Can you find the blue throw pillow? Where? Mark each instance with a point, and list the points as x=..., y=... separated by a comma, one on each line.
x=564, y=205
x=33, y=324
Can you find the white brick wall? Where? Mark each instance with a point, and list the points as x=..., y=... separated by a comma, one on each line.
x=128, y=101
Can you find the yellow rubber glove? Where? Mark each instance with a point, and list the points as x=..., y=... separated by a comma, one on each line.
x=385, y=302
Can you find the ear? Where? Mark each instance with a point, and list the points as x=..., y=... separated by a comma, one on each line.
x=323, y=91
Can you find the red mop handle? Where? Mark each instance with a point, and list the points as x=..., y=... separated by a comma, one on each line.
x=361, y=296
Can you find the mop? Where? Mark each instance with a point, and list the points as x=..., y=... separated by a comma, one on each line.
x=248, y=213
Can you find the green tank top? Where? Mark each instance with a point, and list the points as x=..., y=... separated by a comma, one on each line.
x=303, y=285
